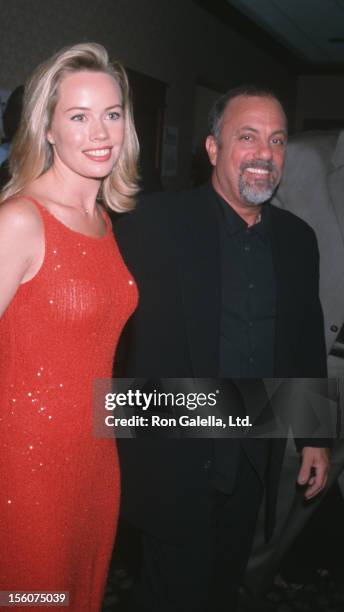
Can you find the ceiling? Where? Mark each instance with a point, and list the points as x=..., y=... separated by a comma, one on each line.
x=304, y=27
x=298, y=33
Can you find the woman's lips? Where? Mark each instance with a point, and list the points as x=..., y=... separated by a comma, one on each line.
x=98, y=155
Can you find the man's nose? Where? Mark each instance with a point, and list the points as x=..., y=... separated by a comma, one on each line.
x=264, y=151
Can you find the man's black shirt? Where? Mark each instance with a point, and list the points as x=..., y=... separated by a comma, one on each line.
x=248, y=296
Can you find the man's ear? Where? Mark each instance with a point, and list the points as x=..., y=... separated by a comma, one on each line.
x=211, y=146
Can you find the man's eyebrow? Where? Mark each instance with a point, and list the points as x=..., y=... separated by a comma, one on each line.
x=252, y=129
x=282, y=131
x=249, y=128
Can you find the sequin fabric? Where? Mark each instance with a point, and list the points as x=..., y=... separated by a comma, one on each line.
x=59, y=486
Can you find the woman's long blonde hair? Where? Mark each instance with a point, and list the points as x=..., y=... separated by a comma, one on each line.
x=32, y=154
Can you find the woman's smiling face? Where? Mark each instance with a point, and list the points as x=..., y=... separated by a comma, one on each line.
x=87, y=128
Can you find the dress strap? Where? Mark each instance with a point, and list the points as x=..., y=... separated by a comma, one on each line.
x=106, y=217
x=36, y=202
x=49, y=217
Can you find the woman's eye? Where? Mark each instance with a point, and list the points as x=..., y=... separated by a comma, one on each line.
x=79, y=117
x=114, y=115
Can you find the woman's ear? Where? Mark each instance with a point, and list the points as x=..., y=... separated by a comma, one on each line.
x=50, y=138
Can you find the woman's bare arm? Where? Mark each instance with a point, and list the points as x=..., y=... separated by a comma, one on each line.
x=21, y=247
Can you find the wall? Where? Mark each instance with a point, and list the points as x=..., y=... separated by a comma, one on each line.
x=320, y=98
x=171, y=40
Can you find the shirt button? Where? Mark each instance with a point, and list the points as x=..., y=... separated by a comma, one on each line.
x=247, y=247
x=207, y=464
x=334, y=328
x=250, y=323
x=251, y=286
x=251, y=360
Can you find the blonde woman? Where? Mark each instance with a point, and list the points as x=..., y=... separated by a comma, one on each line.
x=65, y=295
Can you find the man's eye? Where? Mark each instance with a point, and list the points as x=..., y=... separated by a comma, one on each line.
x=278, y=141
x=246, y=137
x=79, y=117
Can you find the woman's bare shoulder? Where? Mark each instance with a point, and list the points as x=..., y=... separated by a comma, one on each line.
x=21, y=246
x=21, y=215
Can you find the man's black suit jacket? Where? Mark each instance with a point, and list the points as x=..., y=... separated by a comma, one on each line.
x=171, y=245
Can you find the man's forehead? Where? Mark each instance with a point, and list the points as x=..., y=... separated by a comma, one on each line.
x=247, y=109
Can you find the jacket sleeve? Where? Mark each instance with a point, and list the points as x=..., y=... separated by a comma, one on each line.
x=312, y=347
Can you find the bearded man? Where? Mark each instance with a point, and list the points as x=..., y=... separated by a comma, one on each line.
x=228, y=289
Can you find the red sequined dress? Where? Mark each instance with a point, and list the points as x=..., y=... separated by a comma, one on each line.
x=59, y=485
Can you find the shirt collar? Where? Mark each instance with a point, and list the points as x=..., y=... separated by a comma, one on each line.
x=235, y=224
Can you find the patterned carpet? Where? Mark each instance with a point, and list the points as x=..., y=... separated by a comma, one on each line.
x=324, y=594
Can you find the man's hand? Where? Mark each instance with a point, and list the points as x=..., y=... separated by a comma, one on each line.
x=314, y=470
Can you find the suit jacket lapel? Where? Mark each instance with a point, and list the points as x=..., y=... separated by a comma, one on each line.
x=256, y=400
x=199, y=265
x=283, y=267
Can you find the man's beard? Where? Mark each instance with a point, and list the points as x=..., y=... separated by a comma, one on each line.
x=260, y=190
